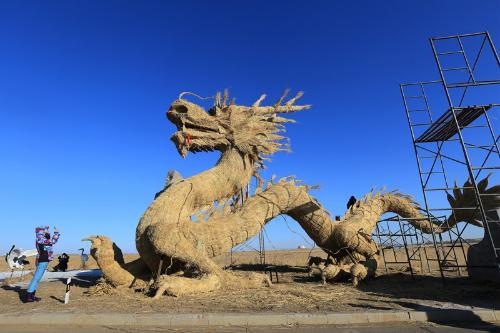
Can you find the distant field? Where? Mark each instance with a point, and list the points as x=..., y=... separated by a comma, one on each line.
x=74, y=262
x=277, y=257
x=296, y=257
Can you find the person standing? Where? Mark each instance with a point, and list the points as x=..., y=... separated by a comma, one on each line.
x=44, y=245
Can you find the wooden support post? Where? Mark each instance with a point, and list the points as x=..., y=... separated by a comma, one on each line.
x=160, y=266
x=68, y=287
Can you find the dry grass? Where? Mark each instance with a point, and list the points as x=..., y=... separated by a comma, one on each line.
x=295, y=292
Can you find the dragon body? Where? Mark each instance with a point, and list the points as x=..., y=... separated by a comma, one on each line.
x=195, y=219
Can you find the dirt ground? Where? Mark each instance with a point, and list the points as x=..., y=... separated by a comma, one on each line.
x=295, y=292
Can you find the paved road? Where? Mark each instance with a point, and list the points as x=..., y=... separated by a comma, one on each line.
x=397, y=328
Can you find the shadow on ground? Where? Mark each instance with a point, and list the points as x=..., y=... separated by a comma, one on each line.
x=21, y=292
x=439, y=316
x=266, y=268
x=460, y=290
x=81, y=281
x=78, y=281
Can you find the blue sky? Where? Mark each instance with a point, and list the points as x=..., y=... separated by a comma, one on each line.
x=84, y=142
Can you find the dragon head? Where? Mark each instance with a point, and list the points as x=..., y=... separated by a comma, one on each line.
x=252, y=130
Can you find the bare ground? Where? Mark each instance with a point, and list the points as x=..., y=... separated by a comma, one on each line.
x=295, y=292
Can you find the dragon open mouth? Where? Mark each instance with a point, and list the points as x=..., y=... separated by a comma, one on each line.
x=195, y=127
x=193, y=138
x=196, y=130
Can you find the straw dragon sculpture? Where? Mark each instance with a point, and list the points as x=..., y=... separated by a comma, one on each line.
x=195, y=219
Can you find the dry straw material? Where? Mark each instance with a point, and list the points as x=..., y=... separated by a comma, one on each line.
x=193, y=220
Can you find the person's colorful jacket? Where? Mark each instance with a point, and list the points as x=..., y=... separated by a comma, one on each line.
x=44, y=244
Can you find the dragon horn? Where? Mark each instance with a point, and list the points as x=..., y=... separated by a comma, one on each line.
x=280, y=100
x=292, y=100
x=481, y=186
x=225, y=97
x=217, y=100
x=456, y=192
x=257, y=102
x=451, y=199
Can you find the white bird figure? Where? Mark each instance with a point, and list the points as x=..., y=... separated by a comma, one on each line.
x=84, y=258
x=16, y=258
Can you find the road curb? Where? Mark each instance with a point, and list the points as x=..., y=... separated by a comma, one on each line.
x=250, y=319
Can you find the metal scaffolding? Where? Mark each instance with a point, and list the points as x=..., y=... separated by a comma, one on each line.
x=395, y=233
x=405, y=248
x=460, y=143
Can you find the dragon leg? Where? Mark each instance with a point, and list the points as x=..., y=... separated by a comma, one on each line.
x=208, y=272
x=210, y=275
x=109, y=257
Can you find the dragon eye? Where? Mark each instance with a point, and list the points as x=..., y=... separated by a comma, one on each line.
x=179, y=108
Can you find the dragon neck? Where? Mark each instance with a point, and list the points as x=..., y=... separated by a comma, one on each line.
x=231, y=173
x=181, y=200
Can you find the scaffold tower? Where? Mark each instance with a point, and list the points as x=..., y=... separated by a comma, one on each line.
x=452, y=125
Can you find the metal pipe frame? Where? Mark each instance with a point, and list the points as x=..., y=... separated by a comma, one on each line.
x=470, y=168
x=456, y=236
x=422, y=184
x=403, y=238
